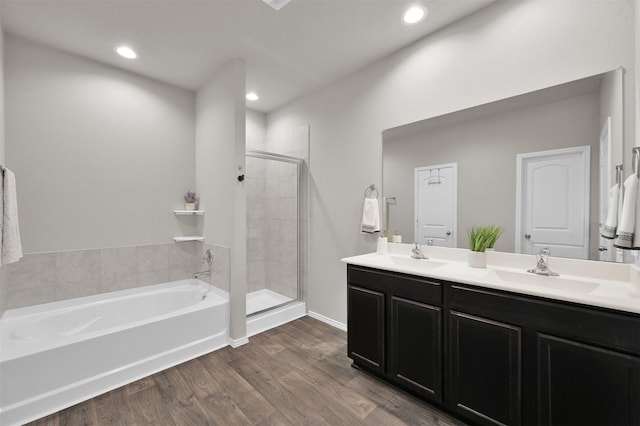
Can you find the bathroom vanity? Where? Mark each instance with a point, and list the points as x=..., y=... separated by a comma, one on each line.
x=496, y=345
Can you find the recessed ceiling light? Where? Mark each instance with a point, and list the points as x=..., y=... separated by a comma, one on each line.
x=252, y=96
x=126, y=52
x=414, y=14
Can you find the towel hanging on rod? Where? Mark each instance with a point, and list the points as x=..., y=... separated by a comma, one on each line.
x=370, y=211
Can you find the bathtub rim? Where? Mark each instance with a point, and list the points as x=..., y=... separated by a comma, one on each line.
x=36, y=312
x=27, y=311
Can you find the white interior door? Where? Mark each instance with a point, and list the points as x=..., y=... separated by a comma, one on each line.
x=436, y=204
x=606, y=251
x=552, y=198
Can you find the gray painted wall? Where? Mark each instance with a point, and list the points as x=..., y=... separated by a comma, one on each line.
x=101, y=156
x=220, y=151
x=485, y=151
x=499, y=52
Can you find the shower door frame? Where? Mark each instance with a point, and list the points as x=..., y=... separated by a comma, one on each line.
x=298, y=163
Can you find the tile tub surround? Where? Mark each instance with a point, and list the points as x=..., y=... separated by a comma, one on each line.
x=47, y=277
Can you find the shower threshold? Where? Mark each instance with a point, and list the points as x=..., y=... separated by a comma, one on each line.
x=262, y=300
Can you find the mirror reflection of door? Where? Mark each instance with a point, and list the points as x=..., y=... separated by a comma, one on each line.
x=606, y=251
x=552, y=208
x=436, y=205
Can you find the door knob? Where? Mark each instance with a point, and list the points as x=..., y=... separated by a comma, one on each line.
x=527, y=236
x=448, y=233
x=602, y=248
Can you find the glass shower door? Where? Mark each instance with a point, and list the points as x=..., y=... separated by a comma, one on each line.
x=272, y=230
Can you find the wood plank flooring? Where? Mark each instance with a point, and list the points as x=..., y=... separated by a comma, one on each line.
x=296, y=374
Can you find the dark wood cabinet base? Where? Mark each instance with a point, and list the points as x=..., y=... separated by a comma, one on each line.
x=494, y=357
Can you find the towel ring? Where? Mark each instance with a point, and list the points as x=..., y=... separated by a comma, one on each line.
x=369, y=189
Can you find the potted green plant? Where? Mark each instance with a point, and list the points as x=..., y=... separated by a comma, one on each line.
x=190, y=200
x=481, y=238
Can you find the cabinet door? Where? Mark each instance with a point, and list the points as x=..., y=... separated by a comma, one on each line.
x=485, y=369
x=416, y=351
x=586, y=385
x=365, y=324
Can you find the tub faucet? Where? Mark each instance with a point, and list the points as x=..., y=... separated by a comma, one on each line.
x=201, y=274
x=542, y=266
x=207, y=256
x=417, y=252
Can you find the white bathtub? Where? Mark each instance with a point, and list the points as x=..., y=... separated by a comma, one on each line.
x=58, y=354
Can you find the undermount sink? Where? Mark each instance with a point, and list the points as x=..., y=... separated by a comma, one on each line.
x=545, y=281
x=415, y=263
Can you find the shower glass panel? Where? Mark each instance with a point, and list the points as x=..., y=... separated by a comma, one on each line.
x=272, y=187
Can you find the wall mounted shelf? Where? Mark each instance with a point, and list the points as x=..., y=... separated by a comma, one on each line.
x=188, y=212
x=183, y=239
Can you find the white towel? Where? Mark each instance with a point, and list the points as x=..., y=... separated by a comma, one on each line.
x=370, y=216
x=620, y=200
x=609, y=230
x=628, y=221
x=11, y=244
x=636, y=229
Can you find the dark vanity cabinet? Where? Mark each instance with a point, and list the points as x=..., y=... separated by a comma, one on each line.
x=366, y=345
x=484, y=369
x=495, y=357
x=395, y=329
x=553, y=363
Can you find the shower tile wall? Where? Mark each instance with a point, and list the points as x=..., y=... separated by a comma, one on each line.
x=48, y=277
x=273, y=225
x=221, y=267
x=281, y=199
x=256, y=224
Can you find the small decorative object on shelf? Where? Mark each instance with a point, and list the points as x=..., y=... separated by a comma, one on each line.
x=190, y=200
x=481, y=238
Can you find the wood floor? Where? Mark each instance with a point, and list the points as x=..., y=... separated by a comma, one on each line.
x=296, y=374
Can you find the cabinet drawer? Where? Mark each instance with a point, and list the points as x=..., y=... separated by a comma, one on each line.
x=590, y=325
x=420, y=289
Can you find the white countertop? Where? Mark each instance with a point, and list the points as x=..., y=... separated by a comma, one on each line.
x=606, y=285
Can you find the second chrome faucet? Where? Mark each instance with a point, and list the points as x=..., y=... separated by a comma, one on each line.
x=542, y=264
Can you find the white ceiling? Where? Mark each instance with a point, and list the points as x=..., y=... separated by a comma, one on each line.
x=304, y=46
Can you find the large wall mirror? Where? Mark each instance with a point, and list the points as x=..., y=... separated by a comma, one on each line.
x=476, y=154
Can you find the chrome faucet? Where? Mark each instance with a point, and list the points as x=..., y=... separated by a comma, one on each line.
x=417, y=252
x=207, y=256
x=542, y=265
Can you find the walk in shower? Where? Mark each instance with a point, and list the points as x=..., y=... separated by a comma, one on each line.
x=273, y=230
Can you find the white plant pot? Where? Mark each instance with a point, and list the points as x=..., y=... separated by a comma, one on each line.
x=190, y=206
x=477, y=259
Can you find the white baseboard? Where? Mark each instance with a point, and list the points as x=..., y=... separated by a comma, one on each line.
x=234, y=343
x=327, y=320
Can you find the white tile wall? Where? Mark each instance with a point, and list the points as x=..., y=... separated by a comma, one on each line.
x=277, y=235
